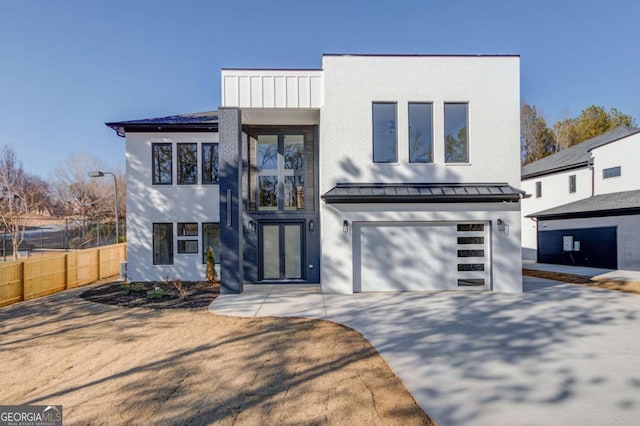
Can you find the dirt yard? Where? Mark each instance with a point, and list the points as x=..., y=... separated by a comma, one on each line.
x=113, y=365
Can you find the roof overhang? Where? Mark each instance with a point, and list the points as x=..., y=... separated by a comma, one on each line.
x=568, y=167
x=358, y=193
x=586, y=214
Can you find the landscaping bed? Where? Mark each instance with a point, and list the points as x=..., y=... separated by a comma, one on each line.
x=624, y=286
x=155, y=294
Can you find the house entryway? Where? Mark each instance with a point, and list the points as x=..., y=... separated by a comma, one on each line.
x=281, y=251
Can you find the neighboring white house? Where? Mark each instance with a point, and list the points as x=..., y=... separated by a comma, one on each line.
x=585, y=203
x=373, y=173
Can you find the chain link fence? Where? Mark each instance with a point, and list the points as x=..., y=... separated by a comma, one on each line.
x=71, y=233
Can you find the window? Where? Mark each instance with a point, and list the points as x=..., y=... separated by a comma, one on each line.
x=162, y=164
x=187, y=164
x=187, y=229
x=456, y=134
x=384, y=133
x=470, y=227
x=210, y=165
x=572, y=184
x=538, y=189
x=187, y=246
x=281, y=168
x=611, y=172
x=420, y=133
x=163, y=243
x=211, y=238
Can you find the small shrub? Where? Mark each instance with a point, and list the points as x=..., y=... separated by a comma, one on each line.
x=156, y=293
x=177, y=284
x=129, y=288
x=210, y=258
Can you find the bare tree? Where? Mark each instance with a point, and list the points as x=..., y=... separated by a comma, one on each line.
x=83, y=198
x=20, y=194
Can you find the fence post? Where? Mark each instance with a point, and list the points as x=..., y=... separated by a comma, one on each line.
x=21, y=272
x=66, y=271
x=99, y=264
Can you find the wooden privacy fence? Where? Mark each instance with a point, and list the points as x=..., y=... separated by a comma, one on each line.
x=31, y=278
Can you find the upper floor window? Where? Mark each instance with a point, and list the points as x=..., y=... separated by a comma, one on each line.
x=187, y=164
x=538, y=189
x=280, y=170
x=210, y=164
x=420, y=133
x=162, y=163
x=572, y=184
x=456, y=134
x=384, y=133
x=611, y=172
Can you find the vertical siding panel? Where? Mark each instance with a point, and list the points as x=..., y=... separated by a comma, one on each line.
x=256, y=92
x=231, y=91
x=280, y=91
x=292, y=92
x=244, y=91
x=303, y=92
x=315, y=90
x=268, y=92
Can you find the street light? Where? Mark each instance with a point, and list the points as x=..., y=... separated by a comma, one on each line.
x=115, y=186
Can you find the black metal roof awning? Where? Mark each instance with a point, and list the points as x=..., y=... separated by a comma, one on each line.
x=422, y=193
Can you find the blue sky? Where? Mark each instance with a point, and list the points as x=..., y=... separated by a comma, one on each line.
x=68, y=66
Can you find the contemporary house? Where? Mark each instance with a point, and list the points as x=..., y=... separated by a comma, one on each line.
x=371, y=173
x=585, y=204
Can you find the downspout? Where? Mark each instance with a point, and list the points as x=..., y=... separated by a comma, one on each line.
x=593, y=177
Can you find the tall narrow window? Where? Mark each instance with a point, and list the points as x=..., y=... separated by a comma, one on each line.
x=163, y=243
x=572, y=184
x=456, y=133
x=187, y=164
x=538, y=189
x=162, y=165
x=211, y=238
x=210, y=164
x=294, y=171
x=384, y=133
x=420, y=133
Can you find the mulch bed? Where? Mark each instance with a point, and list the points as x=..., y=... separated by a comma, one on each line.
x=154, y=294
x=625, y=287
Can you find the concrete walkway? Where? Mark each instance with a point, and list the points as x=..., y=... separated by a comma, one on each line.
x=557, y=354
x=596, y=274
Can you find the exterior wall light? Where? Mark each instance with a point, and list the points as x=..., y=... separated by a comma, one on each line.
x=501, y=225
x=345, y=227
x=252, y=227
x=312, y=225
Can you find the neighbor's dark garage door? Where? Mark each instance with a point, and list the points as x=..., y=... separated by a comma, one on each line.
x=598, y=247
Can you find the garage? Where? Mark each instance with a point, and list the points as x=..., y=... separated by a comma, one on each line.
x=420, y=256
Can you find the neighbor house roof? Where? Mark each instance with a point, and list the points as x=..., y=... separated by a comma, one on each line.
x=614, y=204
x=421, y=193
x=577, y=156
x=197, y=121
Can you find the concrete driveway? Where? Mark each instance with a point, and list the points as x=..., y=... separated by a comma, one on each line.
x=558, y=354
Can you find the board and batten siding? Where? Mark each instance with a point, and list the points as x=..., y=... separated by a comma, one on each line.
x=272, y=88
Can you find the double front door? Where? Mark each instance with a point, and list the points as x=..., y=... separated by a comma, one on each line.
x=281, y=251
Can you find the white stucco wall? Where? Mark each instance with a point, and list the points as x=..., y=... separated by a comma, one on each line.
x=148, y=204
x=490, y=85
x=627, y=235
x=624, y=153
x=555, y=192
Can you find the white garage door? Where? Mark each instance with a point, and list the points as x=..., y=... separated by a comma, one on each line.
x=420, y=256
